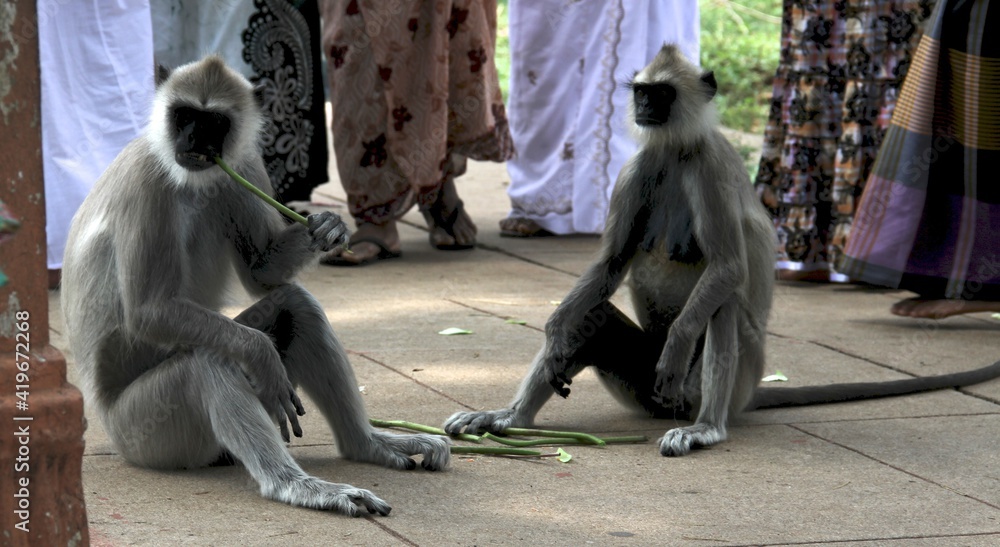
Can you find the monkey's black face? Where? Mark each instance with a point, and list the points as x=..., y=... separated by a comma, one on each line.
x=653, y=103
x=200, y=136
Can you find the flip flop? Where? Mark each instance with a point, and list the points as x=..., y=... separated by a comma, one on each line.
x=522, y=227
x=384, y=253
x=434, y=214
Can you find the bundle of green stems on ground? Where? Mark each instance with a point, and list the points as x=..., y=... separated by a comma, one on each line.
x=513, y=447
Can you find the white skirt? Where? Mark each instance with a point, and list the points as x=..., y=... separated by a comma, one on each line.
x=96, y=62
x=567, y=103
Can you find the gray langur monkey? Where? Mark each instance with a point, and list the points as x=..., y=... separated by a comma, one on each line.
x=150, y=254
x=698, y=249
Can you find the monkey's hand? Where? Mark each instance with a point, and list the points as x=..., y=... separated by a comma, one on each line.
x=328, y=231
x=671, y=372
x=395, y=451
x=563, y=338
x=493, y=421
x=273, y=388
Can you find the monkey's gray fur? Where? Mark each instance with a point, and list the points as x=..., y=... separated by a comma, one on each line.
x=150, y=254
x=698, y=248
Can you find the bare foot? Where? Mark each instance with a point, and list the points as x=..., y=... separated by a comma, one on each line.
x=941, y=308
x=451, y=228
x=370, y=243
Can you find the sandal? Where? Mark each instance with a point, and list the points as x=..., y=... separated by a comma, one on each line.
x=522, y=227
x=434, y=215
x=384, y=253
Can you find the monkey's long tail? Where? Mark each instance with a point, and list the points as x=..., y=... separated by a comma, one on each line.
x=776, y=397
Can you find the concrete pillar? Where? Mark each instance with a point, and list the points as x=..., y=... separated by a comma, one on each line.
x=41, y=416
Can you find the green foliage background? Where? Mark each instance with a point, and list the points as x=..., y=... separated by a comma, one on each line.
x=503, y=47
x=740, y=41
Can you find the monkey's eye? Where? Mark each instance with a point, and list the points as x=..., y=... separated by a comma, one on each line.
x=207, y=122
x=657, y=94
x=183, y=117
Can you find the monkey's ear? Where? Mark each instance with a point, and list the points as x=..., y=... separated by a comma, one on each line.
x=258, y=94
x=162, y=73
x=711, y=86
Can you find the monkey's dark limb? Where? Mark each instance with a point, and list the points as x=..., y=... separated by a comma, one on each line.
x=560, y=380
x=838, y=393
x=619, y=349
x=596, y=335
x=576, y=317
x=625, y=356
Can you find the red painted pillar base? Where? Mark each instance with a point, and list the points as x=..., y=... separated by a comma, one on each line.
x=41, y=447
x=41, y=416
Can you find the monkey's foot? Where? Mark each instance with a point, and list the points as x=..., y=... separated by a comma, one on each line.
x=493, y=421
x=680, y=441
x=395, y=451
x=317, y=494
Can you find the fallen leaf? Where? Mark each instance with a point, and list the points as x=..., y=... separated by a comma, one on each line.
x=555, y=302
x=776, y=377
x=453, y=331
x=564, y=456
x=996, y=316
x=516, y=322
x=362, y=389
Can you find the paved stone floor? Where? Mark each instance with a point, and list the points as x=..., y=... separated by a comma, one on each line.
x=919, y=470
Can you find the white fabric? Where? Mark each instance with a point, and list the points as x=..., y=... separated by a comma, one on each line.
x=187, y=30
x=96, y=62
x=567, y=103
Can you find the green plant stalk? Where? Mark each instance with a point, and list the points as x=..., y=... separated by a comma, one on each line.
x=625, y=439
x=424, y=429
x=582, y=437
x=563, y=440
x=260, y=193
x=495, y=450
x=533, y=442
x=552, y=437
